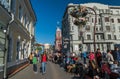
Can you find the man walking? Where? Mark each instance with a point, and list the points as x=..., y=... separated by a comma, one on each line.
x=116, y=55
x=84, y=56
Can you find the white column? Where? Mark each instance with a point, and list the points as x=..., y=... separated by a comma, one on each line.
x=29, y=48
x=20, y=51
x=112, y=46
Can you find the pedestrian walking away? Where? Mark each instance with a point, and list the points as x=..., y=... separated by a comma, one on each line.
x=43, y=62
x=30, y=58
x=35, y=63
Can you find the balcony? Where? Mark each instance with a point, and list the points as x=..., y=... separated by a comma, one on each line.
x=98, y=41
x=99, y=31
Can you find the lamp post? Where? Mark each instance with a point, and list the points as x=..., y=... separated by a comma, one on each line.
x=94, y=27
x=66, y=41
x=79, y=13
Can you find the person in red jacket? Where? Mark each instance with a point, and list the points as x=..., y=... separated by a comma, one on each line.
x=98, y=56
x=43, y=61
x=105, y=70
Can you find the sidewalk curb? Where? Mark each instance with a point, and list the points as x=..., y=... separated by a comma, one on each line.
x=16, y=71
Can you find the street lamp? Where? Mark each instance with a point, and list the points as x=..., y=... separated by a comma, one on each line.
x=79, y=13
x=66, y=42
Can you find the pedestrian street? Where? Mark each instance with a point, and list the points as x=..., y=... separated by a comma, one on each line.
x=53, y=72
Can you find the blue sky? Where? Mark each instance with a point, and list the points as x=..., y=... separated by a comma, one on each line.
x=49, y=12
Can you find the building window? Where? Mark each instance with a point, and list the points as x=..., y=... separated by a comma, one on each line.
x=88, y=37
x=80, y=47
x=113, y=27
x=119, y=28
x=98, y=45
x=111, y=12
x=97, y=36
x=25, y=20
x=101, y=29
x=117, y=12
x=79, y=38
x=107, y=11
x=9, y=55
x=99, y=21
x=115, y=37
x=112, y=20
x=101, y=37
x=24, y=50
x=72, y=27
x=102, y=10
x=108, y=46
x=102, y=46
x=96, y=28
x=20, y=13
x=88, y=28
x=88, y=19
x=118, y=20
x=5, y=4
x=92, y=20
x=106, y=19
x=18, y=50
x=109, y=37
x=108, y=28
x=88, y=47
x=71, y=37
x=28, y=23
x=13, y=5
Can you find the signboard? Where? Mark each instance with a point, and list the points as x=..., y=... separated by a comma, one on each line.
x=76, y=48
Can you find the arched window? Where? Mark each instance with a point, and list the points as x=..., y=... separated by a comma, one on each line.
x=88, y=37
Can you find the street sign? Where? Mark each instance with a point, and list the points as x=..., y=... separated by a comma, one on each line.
x=76, y=47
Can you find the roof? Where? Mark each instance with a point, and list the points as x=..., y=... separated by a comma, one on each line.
x=58, y=29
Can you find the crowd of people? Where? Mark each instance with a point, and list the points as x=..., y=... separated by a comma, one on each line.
x=36, y=58
x=95, y=65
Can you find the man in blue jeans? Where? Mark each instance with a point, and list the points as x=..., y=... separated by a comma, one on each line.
x=84, y=56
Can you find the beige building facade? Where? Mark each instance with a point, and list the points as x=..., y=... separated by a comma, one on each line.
x=4, y=21
x=21, y=31
x=18, y=19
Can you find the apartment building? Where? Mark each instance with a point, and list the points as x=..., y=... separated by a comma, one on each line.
x=107, y=29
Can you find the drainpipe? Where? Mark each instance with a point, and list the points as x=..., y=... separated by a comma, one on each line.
x=6, y=48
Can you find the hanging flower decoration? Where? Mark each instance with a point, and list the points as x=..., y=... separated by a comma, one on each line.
x=79, y=13
x=80, y=21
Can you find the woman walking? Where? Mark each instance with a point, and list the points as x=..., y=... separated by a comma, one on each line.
x=43, y=61
x=35, y=63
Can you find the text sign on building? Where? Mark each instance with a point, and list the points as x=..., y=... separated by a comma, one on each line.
x=76, y=48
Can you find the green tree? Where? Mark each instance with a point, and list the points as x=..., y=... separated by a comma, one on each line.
x=39, y=48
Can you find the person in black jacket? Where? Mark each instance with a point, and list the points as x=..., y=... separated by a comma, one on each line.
x=116, y=55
